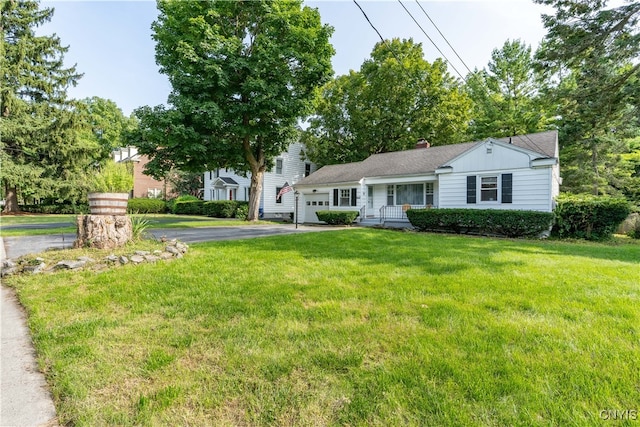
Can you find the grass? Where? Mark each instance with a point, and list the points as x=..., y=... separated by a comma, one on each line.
x=155, y=221
x=350, y=327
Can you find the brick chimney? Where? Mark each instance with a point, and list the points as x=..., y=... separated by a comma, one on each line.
x=422, y=143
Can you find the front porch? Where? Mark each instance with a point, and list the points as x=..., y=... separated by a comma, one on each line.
x=388, y=216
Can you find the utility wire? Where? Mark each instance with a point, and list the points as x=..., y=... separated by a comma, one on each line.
x=442, y=35
x=432, y=42
x=400, y=62
x=456, y=53
x=398, y=59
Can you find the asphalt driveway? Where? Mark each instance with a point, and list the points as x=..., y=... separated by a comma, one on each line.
x=18, y=246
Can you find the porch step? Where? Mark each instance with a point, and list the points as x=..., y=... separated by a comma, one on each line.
x=369, y=222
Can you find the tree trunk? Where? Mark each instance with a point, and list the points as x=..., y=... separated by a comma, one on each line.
x=103, y=231
x=11, y=199
x=255, y=192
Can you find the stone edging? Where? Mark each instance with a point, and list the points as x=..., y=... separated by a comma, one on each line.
x=27, y=265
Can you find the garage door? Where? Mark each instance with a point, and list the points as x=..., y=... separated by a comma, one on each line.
x=315, y=203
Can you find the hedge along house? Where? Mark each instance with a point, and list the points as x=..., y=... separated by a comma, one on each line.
x=518, y=172
x=289, y=168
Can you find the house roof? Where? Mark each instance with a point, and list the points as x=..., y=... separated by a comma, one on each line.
x=422, y=160
x=228, y=180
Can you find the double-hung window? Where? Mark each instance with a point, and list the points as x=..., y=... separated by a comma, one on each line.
x=493, y=188
x=345, y=197
x=489, y=189
x=279, y=166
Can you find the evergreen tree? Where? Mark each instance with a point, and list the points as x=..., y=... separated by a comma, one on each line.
x=591, y=57
x=40, y=153
x=505, y=96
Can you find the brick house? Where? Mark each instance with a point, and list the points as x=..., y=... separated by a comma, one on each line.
x=143, y=185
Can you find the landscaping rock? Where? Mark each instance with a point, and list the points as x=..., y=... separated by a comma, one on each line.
x=136, y=259
x=70, y=265
x=34, y=269
x=172, y=249
x=8, y=271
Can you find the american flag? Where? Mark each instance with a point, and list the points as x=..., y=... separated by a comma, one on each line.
x=284, y=190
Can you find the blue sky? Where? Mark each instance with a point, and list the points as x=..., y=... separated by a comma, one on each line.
x=110, y=41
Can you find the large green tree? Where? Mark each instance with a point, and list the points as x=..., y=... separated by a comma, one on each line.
x=591, y=54
x=242, y=73
x=40, y=153
x=506, y=98
x=104, y=124
x=395, y=99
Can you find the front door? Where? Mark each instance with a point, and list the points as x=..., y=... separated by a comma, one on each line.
x=314, y=203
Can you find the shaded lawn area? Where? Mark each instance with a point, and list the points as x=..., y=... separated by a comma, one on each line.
x=37, y=224
x=356, y=327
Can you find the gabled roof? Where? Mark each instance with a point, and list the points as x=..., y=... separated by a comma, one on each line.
x=224, y=181
x=422, y=160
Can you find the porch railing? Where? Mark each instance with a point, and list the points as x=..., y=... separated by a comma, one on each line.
x=396, y=212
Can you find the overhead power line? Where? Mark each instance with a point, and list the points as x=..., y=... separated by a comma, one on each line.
x=442, y=35
x=456, y=53
x=432, y=42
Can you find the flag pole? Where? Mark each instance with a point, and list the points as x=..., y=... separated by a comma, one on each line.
x=297, y=195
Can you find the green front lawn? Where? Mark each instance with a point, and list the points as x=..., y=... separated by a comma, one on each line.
x=350, y=327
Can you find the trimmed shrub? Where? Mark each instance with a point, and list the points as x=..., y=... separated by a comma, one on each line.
x=243, y=211
x=220, y=208
x=585, y=216
x=189, y=207
x=146, y=205
x=58, y=208
x=337, y=217
x=225, y=208
x=510, y=223
x=171, y=203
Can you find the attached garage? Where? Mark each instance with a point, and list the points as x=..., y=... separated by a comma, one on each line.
x=314, y=203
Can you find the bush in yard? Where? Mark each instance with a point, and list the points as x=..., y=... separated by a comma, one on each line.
x=146, y=205
x=171, y=204
x=220, y=208
x=337, y=217
x=510, y=223
x=189, y=207
x=243, y=211
x=585, y=216
x=57, y=208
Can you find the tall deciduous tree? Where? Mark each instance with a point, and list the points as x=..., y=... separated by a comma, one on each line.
x=242, y=74
x=593, y=53
x=105, y=124
x=505, y=96
x=39, y=149
x=395, y=99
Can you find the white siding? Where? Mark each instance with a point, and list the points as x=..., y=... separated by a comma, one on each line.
x=531, y=190
x=500, y=158
x=293, y=169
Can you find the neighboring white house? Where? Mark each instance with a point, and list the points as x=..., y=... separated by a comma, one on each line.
x=289, y=168
x=519, y=172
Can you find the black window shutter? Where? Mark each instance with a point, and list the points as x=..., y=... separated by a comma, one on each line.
x=335, y=197
x=471, y=189
x=507, y=187
x=354, y=196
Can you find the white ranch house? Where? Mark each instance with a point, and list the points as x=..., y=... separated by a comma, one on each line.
x=290, y=167
x=519, y=172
